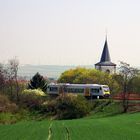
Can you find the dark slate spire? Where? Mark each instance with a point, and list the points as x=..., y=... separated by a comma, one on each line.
x=105, y=58
x=105, y=54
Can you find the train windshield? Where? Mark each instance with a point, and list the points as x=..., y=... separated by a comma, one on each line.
x=106, y=88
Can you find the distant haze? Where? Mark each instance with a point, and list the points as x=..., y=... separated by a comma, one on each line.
x=69, y=32
x=49, y=71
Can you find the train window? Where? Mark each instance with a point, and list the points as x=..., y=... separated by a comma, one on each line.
x=79, y=90
x=95, y=90
x=69, y=90
x=75, y=90
x=54, y=89
x=106, y=88
x=65, y=90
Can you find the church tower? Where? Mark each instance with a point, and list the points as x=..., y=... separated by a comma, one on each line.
x=105, y=63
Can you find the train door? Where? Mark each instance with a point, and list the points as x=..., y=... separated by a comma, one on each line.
x=87, y=92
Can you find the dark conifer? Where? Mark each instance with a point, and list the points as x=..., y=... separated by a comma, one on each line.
x=38, y=81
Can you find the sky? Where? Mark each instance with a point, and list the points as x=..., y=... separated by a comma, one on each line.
x=69, y=32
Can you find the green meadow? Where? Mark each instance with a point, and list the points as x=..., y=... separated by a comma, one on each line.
x=120, y=127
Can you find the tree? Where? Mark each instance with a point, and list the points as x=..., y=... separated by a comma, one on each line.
x=2, y=77
x=38, y=81
x=127, y=73
x=89, y=76
x=134, y=85
x=12, y=73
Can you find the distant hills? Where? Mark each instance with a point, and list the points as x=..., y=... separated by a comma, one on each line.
x=50, y=71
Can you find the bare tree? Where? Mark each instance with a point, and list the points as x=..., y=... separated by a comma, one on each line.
x=127, y=74
x=2, y=78
x=13, y=65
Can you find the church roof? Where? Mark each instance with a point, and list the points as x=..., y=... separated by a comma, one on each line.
x=105, y=57
x=105, y=54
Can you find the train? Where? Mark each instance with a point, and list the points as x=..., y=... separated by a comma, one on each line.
x=87, y=90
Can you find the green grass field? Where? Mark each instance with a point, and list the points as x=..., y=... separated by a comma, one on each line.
x=121, y=127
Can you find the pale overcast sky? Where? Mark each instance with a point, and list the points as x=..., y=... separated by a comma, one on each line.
x=69, y=32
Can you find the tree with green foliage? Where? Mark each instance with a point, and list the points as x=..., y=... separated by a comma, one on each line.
x=89, y=76
x=38, y=81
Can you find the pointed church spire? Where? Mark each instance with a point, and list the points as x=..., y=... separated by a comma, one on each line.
x=105, y=54
x=105, y=63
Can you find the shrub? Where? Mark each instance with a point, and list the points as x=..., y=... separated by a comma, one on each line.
x=7, y=118
x=32, y=99
x=37, y=92
x=69, y=106
x=6, y=105
x=49, y=107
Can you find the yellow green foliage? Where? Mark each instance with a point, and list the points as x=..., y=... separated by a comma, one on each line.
x=37, y=92
x=32, y=99
x=89, y=76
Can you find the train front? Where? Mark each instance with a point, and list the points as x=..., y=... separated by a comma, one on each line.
x=106, y=91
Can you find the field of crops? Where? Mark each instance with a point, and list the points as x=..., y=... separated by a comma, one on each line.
x=121, y=127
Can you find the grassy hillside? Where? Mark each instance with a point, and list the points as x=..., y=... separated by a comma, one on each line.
x=121, y=127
